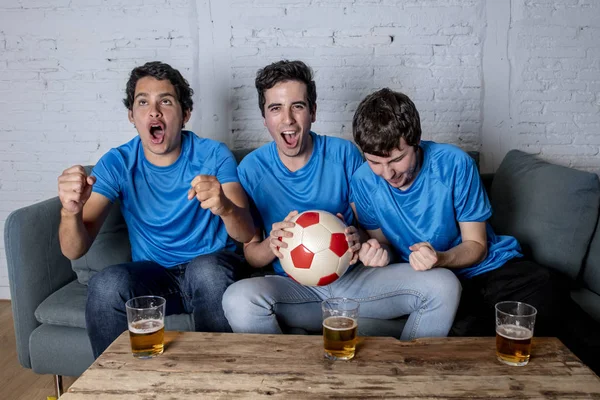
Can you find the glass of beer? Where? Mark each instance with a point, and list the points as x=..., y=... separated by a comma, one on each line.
x=340, y=324
x=514, y=330
x=146, y=322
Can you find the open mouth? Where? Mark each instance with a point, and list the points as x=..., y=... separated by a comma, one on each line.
x=157, y=131
x=290, y=138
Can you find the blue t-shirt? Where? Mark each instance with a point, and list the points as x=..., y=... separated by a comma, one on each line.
x=322, y=184
x=164, y=226
x=447, y=190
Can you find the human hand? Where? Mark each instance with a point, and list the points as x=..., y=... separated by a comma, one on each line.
x=209, y=192
x=423, y=256
x=74, y=189
x=278, y=232
x=353, y=239
x=372, y=254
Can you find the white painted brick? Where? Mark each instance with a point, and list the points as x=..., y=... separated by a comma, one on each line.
x=54, y=83
x=588, y=139
x=572, y=107
x=572, y=150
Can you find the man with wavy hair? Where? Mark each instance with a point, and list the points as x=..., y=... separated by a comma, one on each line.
x=181, y=199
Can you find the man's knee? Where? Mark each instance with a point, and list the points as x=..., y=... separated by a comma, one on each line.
x=110, y=284
x=238, y=296
x=243, y=299
x=215, y=267
x=444, y=285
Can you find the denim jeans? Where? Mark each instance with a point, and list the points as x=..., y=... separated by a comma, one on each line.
x=196, y=287
x=430, y=298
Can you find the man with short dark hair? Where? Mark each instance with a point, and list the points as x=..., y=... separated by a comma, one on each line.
x=180, y=246
x=424, y=203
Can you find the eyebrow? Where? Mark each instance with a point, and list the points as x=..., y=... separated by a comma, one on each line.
x=294, y=103
x=392, y=160
x=162, y=95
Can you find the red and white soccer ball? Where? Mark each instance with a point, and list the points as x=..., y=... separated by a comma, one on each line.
x=317, y=254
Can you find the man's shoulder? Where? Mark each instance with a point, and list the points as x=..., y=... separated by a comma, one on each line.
x=203, y=145
x=258, y=156
x=364, y=176
x=121, y=154
x=340, y=150
x=338, y=142
x=444, y=157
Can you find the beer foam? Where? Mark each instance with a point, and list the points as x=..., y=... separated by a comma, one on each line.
x=514, y=332
x=340, y=323
x=146, y=326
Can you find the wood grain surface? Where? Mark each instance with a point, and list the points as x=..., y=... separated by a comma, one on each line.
x=248, y=366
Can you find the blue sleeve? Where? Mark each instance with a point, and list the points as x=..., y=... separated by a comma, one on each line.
x=246, y=185
x=226, y=165
x=356, y=159
x=108, y=172
x=361, y=197
x=470, y=200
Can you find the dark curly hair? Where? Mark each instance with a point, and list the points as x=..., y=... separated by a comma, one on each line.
x=160, y=71
x=282, y=71
x=382, y=118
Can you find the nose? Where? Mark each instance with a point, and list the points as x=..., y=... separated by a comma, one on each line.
x=155, y=110
x=288, y=117
x=388, y=173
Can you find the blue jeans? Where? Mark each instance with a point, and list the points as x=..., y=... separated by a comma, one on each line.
x=430, y=298
x=196, y=287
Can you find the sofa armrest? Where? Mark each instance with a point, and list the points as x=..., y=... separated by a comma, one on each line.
x=36, y=266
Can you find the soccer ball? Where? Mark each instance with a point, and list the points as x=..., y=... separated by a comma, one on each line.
x=317, y=254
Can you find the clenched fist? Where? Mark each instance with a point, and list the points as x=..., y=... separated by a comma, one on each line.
x=423, y=256
x=74, y=189
x=207, y=189
x=372, y=254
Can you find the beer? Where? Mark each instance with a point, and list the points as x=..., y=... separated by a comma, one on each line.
x=339, y=336
x=147, y=337
x=513, y=344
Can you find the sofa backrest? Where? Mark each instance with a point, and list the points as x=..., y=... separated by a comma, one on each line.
x=552, y=210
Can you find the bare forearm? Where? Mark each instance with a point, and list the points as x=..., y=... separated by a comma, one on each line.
x=239, y=224
x=464, y=255
x=258, y=254
x=74, y=238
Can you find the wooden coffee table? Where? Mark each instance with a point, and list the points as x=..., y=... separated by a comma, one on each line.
x=245, y=366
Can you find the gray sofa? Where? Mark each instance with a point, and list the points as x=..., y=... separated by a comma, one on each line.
x=552, y=210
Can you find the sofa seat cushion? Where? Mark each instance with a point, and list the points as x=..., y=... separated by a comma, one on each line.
x=588, y=301
x=66, y=307
x=550, y=209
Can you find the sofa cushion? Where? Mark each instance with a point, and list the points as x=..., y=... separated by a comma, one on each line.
x=591, y=271
x=110, y=247
x=552, y=210
x=66, y=307
x=588, y=301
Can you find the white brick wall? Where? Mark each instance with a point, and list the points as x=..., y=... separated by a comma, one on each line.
x=555, y=49
x=487, y=75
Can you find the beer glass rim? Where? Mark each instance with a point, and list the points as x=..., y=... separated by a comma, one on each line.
x=340, y=300
x=161, y=302
x=533, y=310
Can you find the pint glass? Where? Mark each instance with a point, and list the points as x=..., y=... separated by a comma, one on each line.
x=514, y=330
x=145, y=319
x=340, y=316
